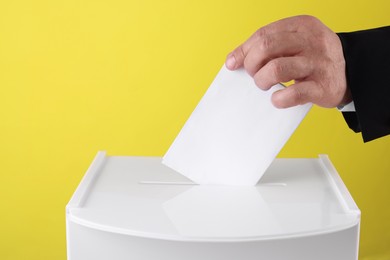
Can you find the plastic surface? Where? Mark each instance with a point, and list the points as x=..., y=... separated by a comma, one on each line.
x=141, y=201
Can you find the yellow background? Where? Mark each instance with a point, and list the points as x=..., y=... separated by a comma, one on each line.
x=123, y=76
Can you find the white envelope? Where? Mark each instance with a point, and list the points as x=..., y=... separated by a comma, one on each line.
x=234, y=133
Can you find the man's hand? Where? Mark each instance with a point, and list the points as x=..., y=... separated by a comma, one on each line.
x=299, y=48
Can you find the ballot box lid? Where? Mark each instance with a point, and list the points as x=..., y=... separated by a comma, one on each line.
x=139, y=196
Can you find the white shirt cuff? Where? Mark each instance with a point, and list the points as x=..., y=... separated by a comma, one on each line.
x=350, y=107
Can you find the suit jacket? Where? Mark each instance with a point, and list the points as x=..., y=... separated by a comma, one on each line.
x=367, y=56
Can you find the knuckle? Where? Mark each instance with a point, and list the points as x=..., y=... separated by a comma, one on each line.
x=307, y=19
x=260, y=33
x=263, y=39
x=265, y=42
x=249, y=67
x=277, y=69
x=297, y=96
x=307, y=23
x=239, y=52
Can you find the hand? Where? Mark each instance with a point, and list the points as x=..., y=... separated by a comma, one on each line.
x=298, y=48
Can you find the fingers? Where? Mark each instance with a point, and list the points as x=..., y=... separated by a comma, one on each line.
x=288, y=25
x=297, y=94
x=273, y=46
x=290, y=49
x=256, y=52
x=236, y=58
x=282, y=70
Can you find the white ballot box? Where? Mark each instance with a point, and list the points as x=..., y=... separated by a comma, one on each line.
x=136, y=208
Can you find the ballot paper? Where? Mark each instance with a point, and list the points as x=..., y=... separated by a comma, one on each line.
x=234, y=133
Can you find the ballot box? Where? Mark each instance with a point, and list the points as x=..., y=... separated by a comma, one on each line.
x=129, y=207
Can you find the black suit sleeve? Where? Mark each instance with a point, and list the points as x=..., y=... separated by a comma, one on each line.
x=367, y=56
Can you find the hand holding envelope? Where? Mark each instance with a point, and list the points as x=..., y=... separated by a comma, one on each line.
x=234, y=133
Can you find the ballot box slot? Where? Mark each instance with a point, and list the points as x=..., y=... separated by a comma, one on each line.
x=192, y=183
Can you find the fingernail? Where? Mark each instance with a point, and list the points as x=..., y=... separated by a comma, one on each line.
x=231, y=62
